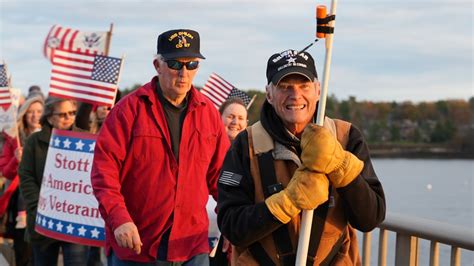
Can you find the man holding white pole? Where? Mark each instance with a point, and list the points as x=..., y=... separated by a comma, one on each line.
x=284, y=164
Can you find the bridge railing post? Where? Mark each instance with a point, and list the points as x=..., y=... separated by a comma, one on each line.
x=406, y=250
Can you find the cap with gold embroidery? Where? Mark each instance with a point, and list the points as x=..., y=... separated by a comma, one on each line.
x=179, y=43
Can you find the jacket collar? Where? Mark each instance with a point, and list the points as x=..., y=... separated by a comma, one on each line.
x=263, y=142
x=45, y=134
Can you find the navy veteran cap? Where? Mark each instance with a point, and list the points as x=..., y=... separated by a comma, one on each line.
x=289, y=62
x=179, y=43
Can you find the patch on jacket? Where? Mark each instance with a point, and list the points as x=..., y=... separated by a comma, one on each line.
x=230, y=179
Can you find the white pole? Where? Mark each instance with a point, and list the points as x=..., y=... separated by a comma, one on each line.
x=307, y=217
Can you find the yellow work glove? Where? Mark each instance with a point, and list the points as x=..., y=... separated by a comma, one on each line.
x=306, y=190
x=321, y=152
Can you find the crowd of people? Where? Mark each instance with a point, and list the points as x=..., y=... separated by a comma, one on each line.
x=22, y=162
x=12, y=202
x=164, y=149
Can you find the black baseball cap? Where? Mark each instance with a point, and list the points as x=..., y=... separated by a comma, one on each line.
x=289, y=62
x=179, y=43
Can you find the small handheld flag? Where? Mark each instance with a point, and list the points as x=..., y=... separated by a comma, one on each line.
x=5, y=95
x=87, y=78
x=218, y=90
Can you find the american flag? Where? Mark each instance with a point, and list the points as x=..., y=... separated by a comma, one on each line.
x=5, y=96
x=86, y=78
x=74, y=40
x=218, y=90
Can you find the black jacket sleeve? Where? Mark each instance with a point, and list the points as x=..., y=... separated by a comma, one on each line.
x=240, y=219
x=364, y=199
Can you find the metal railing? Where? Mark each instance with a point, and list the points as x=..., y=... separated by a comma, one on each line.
x=408, y=231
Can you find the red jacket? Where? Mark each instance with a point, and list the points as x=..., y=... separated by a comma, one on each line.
x=8, y=161
x=136, y=177
x=9, y=169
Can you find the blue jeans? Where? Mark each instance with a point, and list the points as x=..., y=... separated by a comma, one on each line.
x=73, y=254
x=198, y=260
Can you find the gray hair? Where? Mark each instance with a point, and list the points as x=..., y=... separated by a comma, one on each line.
x=158, y=57
x=49, y=105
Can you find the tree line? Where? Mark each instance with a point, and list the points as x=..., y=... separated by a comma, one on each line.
x=447, y=124
x=443, y=123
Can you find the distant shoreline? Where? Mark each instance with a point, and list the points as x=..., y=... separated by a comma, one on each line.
x=419, y=151
x=420, y=155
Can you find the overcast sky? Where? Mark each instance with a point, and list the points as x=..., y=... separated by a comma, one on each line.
x=383, y=50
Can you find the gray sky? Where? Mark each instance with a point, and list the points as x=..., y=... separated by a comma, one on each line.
x=383, y=50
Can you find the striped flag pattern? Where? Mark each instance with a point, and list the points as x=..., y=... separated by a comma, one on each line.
x=236, y=93
x=230, y=179
x=84, y=77
x=5, y=96
x=74, y=40
x=218, y=90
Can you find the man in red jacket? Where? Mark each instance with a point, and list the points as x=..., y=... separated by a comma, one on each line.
x=157, y=158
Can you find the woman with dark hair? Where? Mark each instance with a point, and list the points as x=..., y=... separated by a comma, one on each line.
x=58, y=114
x=234, y=116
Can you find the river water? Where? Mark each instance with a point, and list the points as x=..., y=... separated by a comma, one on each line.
x=437, y=189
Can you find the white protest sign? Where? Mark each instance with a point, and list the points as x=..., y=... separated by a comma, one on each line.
x=67, y=208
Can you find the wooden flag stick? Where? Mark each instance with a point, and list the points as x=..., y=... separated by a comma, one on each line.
x=109, y=39
x=307, y=217
x=18, y=142
x=251, y=101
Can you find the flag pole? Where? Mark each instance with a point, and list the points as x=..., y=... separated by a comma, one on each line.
x=108, y=39
x=18, y=142
x=307, y=217
x=251, y=101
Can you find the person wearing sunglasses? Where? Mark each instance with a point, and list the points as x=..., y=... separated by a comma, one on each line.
x=59, y=114
x=157, y=158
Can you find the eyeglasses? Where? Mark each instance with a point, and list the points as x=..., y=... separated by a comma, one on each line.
x=65, y=114
x=177, y=65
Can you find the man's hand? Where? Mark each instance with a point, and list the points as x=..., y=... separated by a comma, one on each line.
x=306, y=191
x=127, y=236
x=321, y=152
